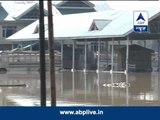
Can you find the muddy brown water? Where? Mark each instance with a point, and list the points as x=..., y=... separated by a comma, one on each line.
x=91, y=88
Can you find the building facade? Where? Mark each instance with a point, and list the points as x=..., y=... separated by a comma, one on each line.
x=15, y=15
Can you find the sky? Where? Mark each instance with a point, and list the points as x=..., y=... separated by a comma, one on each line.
x=127, y=4
x=132, y=4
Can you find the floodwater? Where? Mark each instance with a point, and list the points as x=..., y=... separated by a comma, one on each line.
x=79, y=88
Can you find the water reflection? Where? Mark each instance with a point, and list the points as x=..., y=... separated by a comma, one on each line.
x=89, y=88
x=127, y=90
x=139, y=89
x=112, y=90
x=85, y=86
x=73, y=85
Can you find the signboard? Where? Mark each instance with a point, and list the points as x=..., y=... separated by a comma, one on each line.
x=140, y=21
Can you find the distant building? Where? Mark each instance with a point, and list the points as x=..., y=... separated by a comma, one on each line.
x=15, y=15
x=72, y=7
x=105, y=28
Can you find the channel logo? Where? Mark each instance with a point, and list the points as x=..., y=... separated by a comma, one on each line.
x=140, y=21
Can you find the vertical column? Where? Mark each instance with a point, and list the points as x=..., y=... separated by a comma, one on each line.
x=51, y=54
x=30, y=56
x=42, y=54
x=126, y=72
x=62, y=84
x=127, y=90
x=85, y=56
x=107, y=53
x=112, y=57
x=98, y=87
x=98, y=59
x=21, y=46
x=12, y=46
x=73, y=56
x=30, y=46
x=112, y=90
x=73, y=85
x=62, y=55
x=127, y=53
x=85, y=87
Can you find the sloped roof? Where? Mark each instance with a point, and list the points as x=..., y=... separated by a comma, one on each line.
x=25, y=10
x=76, y=26
x=70, y=22
x=101, y=5
x=15, y=9
x=97, y=5
x=3, y=13
x=77, y=2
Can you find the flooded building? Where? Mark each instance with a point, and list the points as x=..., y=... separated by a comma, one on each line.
x=140, y=58
x=95, y=37
x=14, y=16
x=89, y=41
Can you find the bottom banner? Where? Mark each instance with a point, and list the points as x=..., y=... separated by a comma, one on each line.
x=79, y=113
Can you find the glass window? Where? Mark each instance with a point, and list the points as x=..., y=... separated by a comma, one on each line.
x=94, y=46
x=34, y=14
x=9, y=30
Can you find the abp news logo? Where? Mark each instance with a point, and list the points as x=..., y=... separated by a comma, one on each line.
x=140, y=21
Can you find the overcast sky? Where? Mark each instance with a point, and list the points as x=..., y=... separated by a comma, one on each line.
x=127, y=4
x=132, y=4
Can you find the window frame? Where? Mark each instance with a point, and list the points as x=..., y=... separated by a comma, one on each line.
x=8, y=30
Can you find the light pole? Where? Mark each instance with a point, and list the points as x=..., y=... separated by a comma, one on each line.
x=51, y=54
x=42, y=54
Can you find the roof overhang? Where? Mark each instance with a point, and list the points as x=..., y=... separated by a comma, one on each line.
x=126, y=29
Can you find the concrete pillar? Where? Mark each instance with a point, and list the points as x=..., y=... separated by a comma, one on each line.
x=127, y=91
x=98, y=87
x=30, y=46
x=73, y=85
x=62, y=55
x=85, y=56
x=62, y=84
x=127, y=54
x=98, y=59
x=112, y=57
x=112, y=90
x=73, y=55
x=12, y=46
x=85, y=86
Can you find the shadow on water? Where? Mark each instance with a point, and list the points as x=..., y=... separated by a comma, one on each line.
x=91, y=88
x=111, y=89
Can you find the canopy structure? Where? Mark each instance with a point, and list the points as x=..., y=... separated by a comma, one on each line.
x=77, y=26
x=86, y=26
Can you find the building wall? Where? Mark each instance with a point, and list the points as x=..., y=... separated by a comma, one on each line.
x=140, y=58
x=19, y=26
